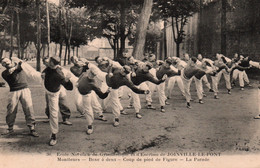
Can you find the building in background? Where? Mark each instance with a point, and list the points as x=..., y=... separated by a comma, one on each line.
x=222, y=26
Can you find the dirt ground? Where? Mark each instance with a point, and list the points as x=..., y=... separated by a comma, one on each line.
x=225, y=125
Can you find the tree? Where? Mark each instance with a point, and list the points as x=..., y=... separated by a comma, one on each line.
x=48, y=27
x=113, y=21
x=38, y=57
x=141, y=29
x=81, y=33
x=178, y=11
x=10, y=21
x=153, y=36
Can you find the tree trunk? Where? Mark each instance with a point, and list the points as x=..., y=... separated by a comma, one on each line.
x=77, y=51
x=68, y=54
x=56, y=49
x=165, y=39
x=38, y=63
x=12, y=34
x=48, y=28
x=1, y=53
x=60, y=49
x=18, y=34
x=199, y=35
x=60, y=28
x=4, y=45
x=43, y=50
x=22, y=53
x=70, y=34
x=178, y=49
x=122, y=27
x=141, y=29
x=223, y=26
x=65, y=56
x=117, y=49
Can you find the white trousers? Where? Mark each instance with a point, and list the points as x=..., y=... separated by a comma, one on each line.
x=78, y=101
x=205, y=80
x=53, y=102
x=24, y=96
x=160, y=88
x=152, y=88
x=198, y=84
x=136, y=98
x=226, y=77
x=113, y=102
x=186, y=84
x=259, y=101
x=91, y=103
x=242, y=76
x=171, y=83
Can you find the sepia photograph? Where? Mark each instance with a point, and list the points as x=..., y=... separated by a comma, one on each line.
x=130, y=83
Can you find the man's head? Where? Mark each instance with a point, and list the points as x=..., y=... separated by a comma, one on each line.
x=168, y=62
x=146, y=55
x=103, y=65
x=127, y=69
x=192, y=61
x=200, y=57
x=54, y=62
x=236, y=55
x=74, y=60
x=131, y=60
x=186, y=57
x=46, y=61
x=91, y=74
x=98, y=59
x=147, y=66
x=247, y=58
x=152, y=58
x=7, y=63
x=218, y=56
x=241, y=57
x=125, y=53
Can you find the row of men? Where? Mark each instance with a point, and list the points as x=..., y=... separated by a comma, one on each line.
x=104, y=80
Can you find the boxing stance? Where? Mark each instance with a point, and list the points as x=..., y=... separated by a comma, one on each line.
x=187, y=73
x=139, y=78
x=53, y=79
x=86, y=85
x=165, y=68
x=115, y=78
x=19, y=91
x=179, y=64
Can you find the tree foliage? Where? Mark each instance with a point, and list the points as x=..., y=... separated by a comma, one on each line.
x=114, y=21
x=178, y=11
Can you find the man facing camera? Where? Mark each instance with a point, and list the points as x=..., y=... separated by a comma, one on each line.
x=19, y=91
x=53, y=79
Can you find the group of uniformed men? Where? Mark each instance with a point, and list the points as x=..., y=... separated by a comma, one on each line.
x=98, y=86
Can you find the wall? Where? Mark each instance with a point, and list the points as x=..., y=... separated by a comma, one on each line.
x=203, y=31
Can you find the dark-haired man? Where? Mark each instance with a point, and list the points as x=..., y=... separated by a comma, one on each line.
x=187, y=73
x=53, y=79
x=115, y=78
x=19, y=91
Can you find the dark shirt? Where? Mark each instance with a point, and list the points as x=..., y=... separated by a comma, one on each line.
x=78, y=70
x=86, y=85
x=119, y=79
x=17, y=80
x=123, y=61
x=190, y=71
x=54, y=78
x=244, y=63
x=168, y=71
x=142, y=76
